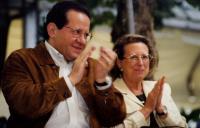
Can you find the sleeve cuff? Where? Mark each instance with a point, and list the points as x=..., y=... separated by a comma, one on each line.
x=109, y=83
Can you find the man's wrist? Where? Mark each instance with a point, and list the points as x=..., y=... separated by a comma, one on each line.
x=101, y=80
x=106, y=81
x=100, y=84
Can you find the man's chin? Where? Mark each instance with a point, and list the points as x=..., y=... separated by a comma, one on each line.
x=74, y=56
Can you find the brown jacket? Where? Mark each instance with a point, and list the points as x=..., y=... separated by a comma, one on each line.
x=32, y=89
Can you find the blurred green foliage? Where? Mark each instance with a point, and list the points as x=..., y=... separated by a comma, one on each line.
x=195, y=3
x=101, y=11
x=160, y=9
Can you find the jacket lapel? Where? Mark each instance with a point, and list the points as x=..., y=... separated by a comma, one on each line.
x=43, y=55
x=121, y=86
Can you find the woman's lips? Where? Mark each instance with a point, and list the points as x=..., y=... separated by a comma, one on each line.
x=139, y=70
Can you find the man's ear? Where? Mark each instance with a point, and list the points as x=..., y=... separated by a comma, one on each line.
x=51, y=29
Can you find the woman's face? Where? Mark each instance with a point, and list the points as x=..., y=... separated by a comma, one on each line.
x=135, y=65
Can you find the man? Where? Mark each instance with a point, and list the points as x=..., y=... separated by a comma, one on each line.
x=57, y=84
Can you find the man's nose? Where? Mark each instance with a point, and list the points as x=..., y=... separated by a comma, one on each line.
x=82, y=39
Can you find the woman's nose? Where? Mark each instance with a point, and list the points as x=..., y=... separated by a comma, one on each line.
x=140, y=61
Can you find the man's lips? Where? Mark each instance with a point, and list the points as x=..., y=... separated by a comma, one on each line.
x=78, y=48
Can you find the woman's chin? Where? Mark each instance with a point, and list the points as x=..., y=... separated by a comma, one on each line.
x=140, y=77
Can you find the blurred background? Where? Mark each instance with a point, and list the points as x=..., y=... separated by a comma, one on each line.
x=173, y=26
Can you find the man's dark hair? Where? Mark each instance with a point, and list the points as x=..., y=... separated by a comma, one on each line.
x=58, y=15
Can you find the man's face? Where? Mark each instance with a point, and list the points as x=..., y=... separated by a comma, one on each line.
x=70, y=40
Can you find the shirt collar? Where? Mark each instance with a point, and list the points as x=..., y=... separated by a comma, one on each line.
x=57, y=57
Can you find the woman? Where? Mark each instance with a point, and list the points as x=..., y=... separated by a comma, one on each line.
x=148, y=103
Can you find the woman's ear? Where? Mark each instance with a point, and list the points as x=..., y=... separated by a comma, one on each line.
x=119, y=64
x=51, y=29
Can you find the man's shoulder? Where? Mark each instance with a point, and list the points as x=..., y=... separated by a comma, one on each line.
x=28, y=52
x=22, y=51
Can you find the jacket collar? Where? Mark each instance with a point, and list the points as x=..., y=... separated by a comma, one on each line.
x=43, y=55
x=121, y=86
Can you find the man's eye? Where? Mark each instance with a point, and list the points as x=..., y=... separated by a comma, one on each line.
x=77, y=31
x=86, y=34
